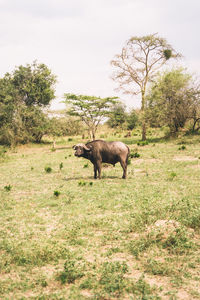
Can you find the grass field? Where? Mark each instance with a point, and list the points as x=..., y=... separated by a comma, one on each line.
x=64, y=235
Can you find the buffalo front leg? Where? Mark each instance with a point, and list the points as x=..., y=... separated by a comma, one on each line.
x=99, y=169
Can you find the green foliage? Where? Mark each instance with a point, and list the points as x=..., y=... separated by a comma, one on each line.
x=61, y=165
x=138, y=64
x=129, y=161
x=118, y=115
x=109, y=233
x=172, y=175
x=112, y=277
x=156, y=267
x=134, y=154
x=132, y=120
x=167, y=53
x=90, y=109
x=183, y=147
x=56, y=193
x=82, y=183
x=64, y=126
x=178, y=242
x=73, y=269
x=23, y=94
x=8, y=188
x=48, y=169
x=171, y=100
x=142, y=143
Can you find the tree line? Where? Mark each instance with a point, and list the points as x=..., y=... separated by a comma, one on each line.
x=168, y=98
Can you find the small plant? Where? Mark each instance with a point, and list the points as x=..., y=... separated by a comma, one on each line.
x=90, y=183
x=70, y=139
x=73, y=269
x=8, y=188
x=32, y=168
x=48, y=169
x=134, y=154
x=61, y=166
x=182, y=147
x=156, y=267
x=85, y=166
x=112, y=278
x=142, y=143
x=172, y=175
x=57, y=193
x=82, y=183
x=129, y=161
x=53, y=149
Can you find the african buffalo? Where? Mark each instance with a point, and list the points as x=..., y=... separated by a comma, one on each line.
x=99, y=152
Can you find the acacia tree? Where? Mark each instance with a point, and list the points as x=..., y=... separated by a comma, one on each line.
x=90, y=109
x=137, y=65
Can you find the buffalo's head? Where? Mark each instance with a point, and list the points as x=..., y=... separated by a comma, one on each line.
x=80, y=149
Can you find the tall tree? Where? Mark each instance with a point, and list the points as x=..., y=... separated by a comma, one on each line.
x=90, y=109
x=172, y=100
x=118, y=115
x=23, y=94
x=138, y=63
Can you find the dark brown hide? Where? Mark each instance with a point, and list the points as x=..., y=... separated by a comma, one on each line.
x=99, y=152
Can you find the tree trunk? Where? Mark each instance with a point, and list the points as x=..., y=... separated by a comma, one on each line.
x=144, y=137
x=93, y=135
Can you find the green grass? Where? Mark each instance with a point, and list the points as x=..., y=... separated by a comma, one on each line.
x=64, y=235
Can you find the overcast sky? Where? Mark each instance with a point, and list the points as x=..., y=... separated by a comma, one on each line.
x=77, y=39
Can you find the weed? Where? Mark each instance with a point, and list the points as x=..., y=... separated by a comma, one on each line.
x=129, y=161
x=143, y=289
x=8, y=188
x=48, y=169
x=85, y=166
x=73, y=269
x=178, y=242
x=156, y=267
x=142, y=143
x=172, y=175
x=56, y=193
x=183, y=147
x=70, y=139
x=134, y=154
x=112, y=277
x=61, y=166
x=82, y=183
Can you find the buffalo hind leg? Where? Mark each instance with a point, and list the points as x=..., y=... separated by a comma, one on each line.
x=95, y=171
x=124, y=167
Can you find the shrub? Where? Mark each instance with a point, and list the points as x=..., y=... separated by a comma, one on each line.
x=134, y=154
x=8, y=188
x=56, y=193
x=48, y=169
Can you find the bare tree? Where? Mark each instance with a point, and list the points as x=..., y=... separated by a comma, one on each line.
x=138, y=63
